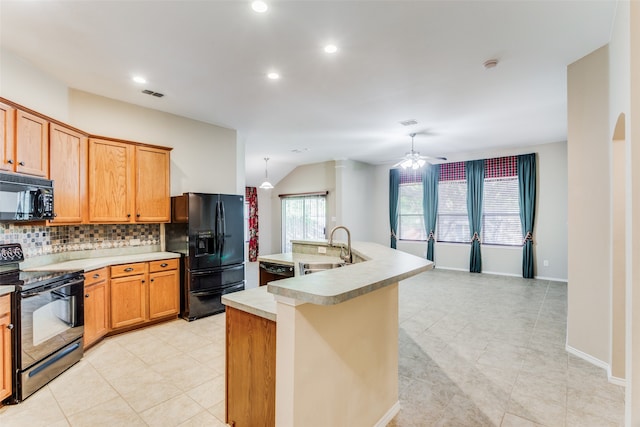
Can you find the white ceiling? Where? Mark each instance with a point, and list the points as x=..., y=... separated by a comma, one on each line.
x=397, y=60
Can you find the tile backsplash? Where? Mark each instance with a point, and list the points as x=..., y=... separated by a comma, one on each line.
x=41, y=240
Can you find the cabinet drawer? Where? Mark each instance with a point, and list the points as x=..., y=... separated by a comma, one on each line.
x=95, y=276
x=5, y=304
x=162, y=265
x=128, y=269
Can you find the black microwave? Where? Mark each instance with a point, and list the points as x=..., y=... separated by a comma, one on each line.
x=25, y=198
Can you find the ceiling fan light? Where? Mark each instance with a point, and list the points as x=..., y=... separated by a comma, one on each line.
x=406, y=164
x=421, y=163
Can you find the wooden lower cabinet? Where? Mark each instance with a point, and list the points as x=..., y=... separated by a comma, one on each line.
x=128, y=294
x=250, y=370
x=143, y=292
x=5, y=346
x=164, y=289
x=96, y=305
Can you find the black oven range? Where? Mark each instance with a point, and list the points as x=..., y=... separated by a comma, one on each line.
x=47, y=312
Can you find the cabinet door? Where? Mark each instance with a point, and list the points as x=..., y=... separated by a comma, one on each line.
x=5, y=346
x=128, y=301
x=68, y=170
x=164, y=294
x=96, y=312
x=153, y=193
x=7, y=135
x=32, y=144
x=250, y=369
x=110, y=189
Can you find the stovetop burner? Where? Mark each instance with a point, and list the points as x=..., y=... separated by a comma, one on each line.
x=10, y=274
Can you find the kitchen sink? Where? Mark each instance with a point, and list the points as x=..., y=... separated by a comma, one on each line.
x=314, y=267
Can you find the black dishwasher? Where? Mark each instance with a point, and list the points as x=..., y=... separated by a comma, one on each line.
x=270, y=272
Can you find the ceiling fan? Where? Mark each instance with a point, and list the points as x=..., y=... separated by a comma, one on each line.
x=413, y=160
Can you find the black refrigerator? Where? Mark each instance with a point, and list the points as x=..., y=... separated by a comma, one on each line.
x=208, y=230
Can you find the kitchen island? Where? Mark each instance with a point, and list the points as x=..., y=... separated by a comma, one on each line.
x=336, y=338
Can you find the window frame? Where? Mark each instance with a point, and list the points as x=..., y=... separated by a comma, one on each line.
x=301, y=196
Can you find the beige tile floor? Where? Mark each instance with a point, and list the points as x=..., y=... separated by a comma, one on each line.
x=475, y=350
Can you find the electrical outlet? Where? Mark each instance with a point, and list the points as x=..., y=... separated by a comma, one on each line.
x=322, y=250
x=134, y=242
x=545, y=263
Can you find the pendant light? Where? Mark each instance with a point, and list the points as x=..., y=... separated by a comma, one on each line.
x=266, y=185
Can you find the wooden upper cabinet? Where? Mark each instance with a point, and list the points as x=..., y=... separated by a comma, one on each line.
x=153, y=192
x=68, y=170
x=32, y=144
x=110, y=181
x=7, y=137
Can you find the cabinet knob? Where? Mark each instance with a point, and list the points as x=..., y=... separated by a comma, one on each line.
x=95, y=276
x=10, y=161
x=164, y=264
x=142, y=281
x=153, y=280
x=128, y=215
x=21, y=163
x=138, y=215
x=128, y=269
x=86, y=295
x=10, y=326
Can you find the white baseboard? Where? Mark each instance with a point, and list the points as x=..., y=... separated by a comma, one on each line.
x=617, y=381
x=552, y=279
x=386, y=418
x=497, y=273
x=587, y=357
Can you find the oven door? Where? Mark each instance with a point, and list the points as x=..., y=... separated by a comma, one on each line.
x=50, y=319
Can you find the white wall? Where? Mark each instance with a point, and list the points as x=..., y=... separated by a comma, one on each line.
x=31, y=87
x=353, y=198
x=589, y=312
x=303, y=179
x=550, y=229
x=205, y=157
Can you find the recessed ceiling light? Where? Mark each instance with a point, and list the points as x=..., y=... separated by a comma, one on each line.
x=273, y=76
x=139, y=79
x=259, y=6
x=331, y=48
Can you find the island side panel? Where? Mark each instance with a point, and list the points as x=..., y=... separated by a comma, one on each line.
x=338, y=364
x=250, y=369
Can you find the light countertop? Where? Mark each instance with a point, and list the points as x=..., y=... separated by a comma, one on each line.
x=88, y=264
x=255, y=301
x=382, y=267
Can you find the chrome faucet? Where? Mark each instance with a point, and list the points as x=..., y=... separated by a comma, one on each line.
x=346, y=257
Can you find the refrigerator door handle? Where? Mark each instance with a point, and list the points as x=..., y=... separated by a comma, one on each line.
x=223, y=223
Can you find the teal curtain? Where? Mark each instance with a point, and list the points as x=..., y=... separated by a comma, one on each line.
x=527, y=189
x=430, y=175
x=394, y=193
x=475, y=184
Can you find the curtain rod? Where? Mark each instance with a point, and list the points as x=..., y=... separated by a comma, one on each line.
x=315, y=193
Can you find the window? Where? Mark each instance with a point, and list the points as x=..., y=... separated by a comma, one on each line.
x=303, y=218
x=501, y=212
x=410, y=218
x=501, y=209
x=453, y=220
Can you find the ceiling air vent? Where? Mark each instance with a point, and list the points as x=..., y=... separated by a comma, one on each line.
x=409, y=122
x=152, y=93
